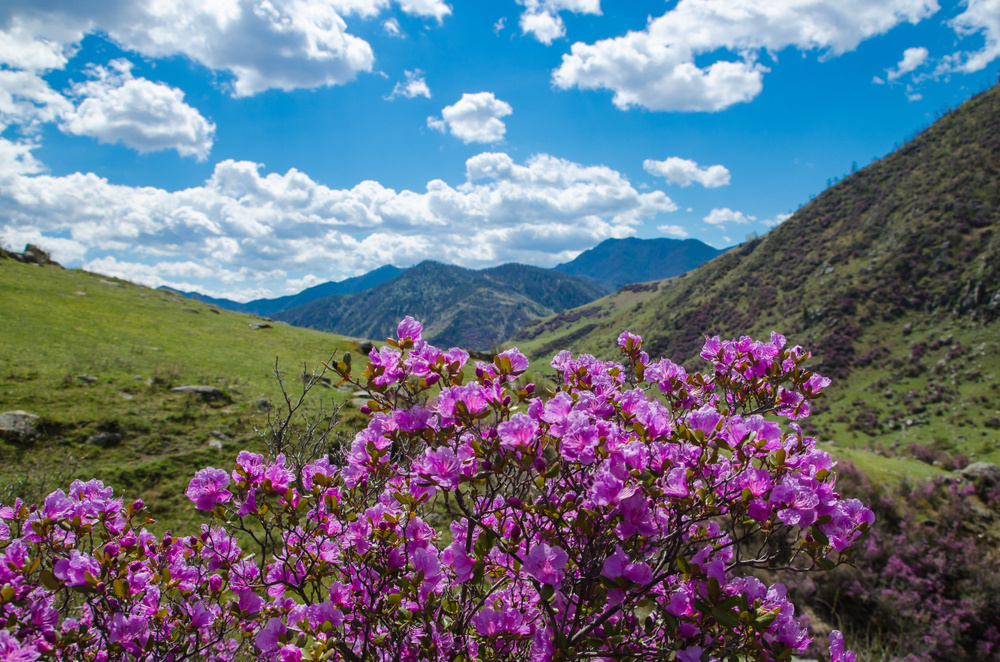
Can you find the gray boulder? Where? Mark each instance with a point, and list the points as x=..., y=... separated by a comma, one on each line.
x=260, y=325
x=18, y=425
x=983, y=475
x=206, y=393
x=104, y=439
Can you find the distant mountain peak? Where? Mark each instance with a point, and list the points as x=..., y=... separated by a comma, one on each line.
x=617, y=262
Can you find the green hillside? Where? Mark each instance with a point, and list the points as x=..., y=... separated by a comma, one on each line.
x=891, y=277
x=92, y=355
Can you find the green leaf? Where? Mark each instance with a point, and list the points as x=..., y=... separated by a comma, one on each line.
x=547, y=592
x=48, y=580
x=825, y=563
x=725, y=617
x=762, y=622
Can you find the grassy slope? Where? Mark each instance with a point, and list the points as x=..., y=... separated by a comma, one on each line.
x=892, y=277
x=138, y=343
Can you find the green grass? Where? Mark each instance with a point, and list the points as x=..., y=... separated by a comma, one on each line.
x=139, y=343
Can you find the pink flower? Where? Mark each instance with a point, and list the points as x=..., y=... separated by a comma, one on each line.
x=388, y=359
x=629, y=341
x=74, y=570
x=492, y=622
x=267, y=638
x=518, y=433
x=518, y=361
x=441, y=465
x=837, y=652
x=461, y=563
x=11, y=649
x=409, y=328
x=252, y=464
x=426, y=561
x=618, y=565
x=545, y=564
x=704, y=419
x=636, y=517
x=412, y=420
x=278, y=474
x=207, y=488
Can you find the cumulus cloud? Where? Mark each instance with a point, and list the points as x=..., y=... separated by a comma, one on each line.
x=656, y=68
x=475, y=118
x=912, y=58
x=541, y=17
x=415, y=86
x=236, y=234
x=727, y=215
x=981, y=17
x=685, y=172
x=426, y=8
x=674, y=231
x=116, y=107
x=274, y=44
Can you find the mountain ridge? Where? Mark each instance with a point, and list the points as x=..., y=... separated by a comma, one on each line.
x=458, y=306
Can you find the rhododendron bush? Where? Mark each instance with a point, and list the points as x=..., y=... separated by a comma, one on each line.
x=620, y=517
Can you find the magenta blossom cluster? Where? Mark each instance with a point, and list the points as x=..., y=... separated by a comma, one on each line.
x=618, y=517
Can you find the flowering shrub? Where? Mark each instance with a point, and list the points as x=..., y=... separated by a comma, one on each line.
x=619, y=517
x=927, y=582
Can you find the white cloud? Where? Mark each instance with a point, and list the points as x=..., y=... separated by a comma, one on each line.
x=474, y=118
x=415, y=86
x=656, y=67
x=363, y=8
x=235, y=235
x=499, y=26
x=685, y=172
x=979, y=17
x=115, y=107
x=541, y=17
x=391, y=27
x=27, y=101
x=912, y=58
x=263, y=44
x=674, y=231
x=16, y=159
x=727, y=215
x=426, y=8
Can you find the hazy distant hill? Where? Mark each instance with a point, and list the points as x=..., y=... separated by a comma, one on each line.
x=891, y=277
x=471, y=309
x=616, y=262
x=268, y=307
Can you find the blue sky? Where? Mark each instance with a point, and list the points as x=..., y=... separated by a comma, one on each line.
x=249, y=148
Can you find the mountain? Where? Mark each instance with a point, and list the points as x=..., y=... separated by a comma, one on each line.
x=617, y=262
x=268, y=307
x=891, y=277
x=461, y=307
